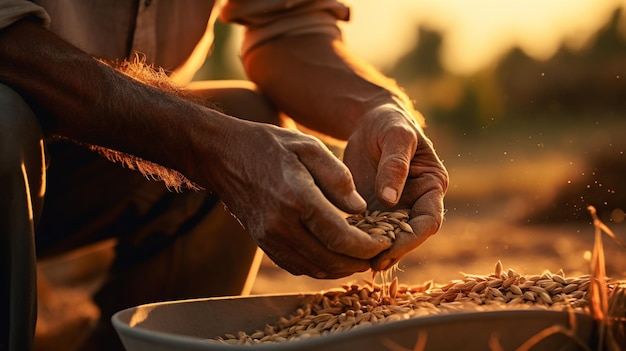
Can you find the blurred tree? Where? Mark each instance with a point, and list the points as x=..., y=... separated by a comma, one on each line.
x=591, y=79
x=423, y=61
x=586, y=89
x=442, y=97
x=577, y=97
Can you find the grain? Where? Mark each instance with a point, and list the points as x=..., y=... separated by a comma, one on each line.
x=498, y=268
x=362, y=305
x=386, y=223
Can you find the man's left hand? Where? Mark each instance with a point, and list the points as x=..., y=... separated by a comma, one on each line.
x=394, y=165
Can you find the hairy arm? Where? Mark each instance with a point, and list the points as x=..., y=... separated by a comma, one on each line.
x=80, y=98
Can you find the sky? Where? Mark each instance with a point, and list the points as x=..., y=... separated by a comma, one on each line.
x=476, y=32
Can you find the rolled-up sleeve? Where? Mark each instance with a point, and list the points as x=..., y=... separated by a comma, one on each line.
x=12, y=11
x=268, y=19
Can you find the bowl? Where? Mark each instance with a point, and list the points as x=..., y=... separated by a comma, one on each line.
x=189, y=325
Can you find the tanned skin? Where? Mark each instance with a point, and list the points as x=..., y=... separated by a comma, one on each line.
x=284, y=186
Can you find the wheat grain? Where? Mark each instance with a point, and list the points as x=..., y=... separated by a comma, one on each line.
x=386, y=223
x=363, y=305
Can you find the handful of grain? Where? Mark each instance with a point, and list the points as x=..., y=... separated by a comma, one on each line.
x=357, y=306
x=385, y=223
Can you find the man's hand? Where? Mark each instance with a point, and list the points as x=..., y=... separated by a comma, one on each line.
x=315, y=80
x=395, y=166
x=285, y=187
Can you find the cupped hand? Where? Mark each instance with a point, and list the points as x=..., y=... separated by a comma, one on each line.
x=394, y=165
x=286, y=187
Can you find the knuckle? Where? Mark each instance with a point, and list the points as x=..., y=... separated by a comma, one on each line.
x=343, y=178
x=336, y=243
x=402, y=132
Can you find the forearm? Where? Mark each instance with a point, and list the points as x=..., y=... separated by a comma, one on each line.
x=80, y=98
x=315, y=80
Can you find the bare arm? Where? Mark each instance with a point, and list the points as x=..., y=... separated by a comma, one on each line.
x=316, y=81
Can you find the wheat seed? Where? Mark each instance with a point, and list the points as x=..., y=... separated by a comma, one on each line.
x=385, y=223
x=359, y=306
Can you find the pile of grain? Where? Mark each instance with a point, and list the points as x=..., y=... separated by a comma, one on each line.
x=357, y=306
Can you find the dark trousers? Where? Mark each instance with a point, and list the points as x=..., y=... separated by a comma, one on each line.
x=169, y=245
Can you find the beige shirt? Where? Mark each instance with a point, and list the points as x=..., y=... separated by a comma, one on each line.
x=173, y=34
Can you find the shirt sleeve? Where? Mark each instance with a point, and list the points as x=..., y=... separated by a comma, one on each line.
x=268, y=19
x=12, y=11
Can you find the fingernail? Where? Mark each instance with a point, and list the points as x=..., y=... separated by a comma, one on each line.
x=356, y=201
x=390, y=194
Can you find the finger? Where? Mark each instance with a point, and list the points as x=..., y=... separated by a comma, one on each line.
x=321, y=266
x=296, y=250
x=332, y=177
x=320, y=234
x=398, y=148
x=426, y=219
x=330, y=227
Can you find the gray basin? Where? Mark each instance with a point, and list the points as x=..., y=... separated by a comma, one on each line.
x=187, y=325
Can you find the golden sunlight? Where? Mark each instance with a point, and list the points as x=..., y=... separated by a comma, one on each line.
x=476, y=32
